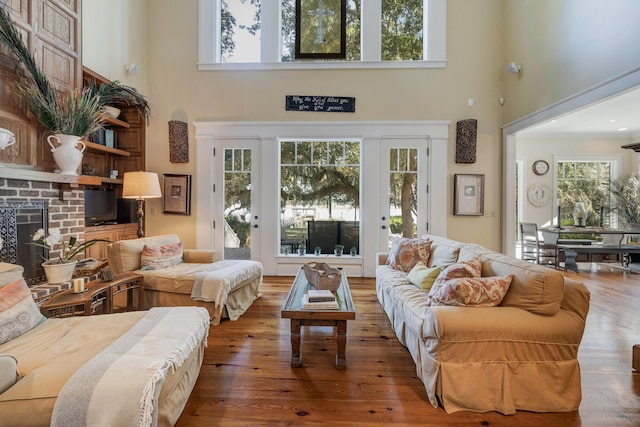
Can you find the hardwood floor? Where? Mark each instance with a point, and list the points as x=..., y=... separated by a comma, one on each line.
x=246, y=378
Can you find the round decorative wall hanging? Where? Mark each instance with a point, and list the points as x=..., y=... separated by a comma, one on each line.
x=539, y=194
x=540, y=167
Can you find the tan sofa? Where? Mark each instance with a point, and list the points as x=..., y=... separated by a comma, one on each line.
x=520, y=355
x=174, y=285
x=52, y=352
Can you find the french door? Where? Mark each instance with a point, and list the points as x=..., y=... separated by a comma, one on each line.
x=236, y=198
x=403, y=188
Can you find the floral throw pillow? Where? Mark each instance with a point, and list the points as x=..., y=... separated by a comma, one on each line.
x=154, y=258
x=472, y=291
x=469, y=268
x=406, y=253
x=18, y=311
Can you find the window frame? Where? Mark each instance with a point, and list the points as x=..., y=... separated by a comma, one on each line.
x=614, y=160
x=434, y=50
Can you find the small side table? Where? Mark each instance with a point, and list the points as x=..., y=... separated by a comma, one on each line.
x=97, y=298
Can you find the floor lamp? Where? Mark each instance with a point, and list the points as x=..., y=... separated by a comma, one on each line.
x=140, y=186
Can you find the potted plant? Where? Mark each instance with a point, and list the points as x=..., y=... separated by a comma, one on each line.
x=317, y=250
x=626, y=192
x=354, y=251
x=60, y=269
x=67, y=116
x=337, y=250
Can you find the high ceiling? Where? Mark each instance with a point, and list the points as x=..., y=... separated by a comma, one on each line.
x=606, y=119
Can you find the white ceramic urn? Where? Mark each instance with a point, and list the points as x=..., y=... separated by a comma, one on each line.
x=68, y=153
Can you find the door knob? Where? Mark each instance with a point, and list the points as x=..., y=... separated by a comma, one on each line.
x=255, y=225
x=384, y=227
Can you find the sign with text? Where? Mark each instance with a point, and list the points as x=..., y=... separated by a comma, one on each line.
x=328, y=104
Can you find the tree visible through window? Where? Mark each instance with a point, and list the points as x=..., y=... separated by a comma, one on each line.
x=401, y=23
x=320, y=195
x=587, y=182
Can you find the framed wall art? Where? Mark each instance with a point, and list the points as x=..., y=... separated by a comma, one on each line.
x=468, y=194
x=321, y=29
x=176, y=192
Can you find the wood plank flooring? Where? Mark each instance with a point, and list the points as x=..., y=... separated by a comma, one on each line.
x=246, y=378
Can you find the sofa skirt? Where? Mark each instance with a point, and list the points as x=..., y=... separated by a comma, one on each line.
x=238, y=301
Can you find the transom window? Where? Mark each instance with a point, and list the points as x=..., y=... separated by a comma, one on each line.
x=238, y=33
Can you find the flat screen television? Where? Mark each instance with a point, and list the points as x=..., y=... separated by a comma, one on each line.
x=100, y=206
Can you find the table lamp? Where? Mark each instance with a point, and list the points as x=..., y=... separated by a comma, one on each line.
x=140, y=186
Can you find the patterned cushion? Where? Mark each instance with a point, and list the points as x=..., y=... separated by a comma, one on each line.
x=468, y=268
x=406, y=253
x=154, y=258
x=18, y=311
x=423, y=276
x=472, y=291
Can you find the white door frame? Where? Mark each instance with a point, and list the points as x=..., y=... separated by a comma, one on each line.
x=270, y=132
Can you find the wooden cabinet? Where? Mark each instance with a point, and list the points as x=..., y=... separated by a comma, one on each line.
x=113, y=232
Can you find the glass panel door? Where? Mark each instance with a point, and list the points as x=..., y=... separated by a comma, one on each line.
x=404, y=190
x=237, y=220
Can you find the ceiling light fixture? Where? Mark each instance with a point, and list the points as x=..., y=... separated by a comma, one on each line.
x=622, y=129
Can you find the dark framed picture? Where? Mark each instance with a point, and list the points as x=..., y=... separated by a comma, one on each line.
x=468, y=194
x=321, y=29
x=176, y=192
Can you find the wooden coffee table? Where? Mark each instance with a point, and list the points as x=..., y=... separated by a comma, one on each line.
x=98, y=297
x=293, y=310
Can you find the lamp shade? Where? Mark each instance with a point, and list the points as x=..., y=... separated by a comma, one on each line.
x=141, y=185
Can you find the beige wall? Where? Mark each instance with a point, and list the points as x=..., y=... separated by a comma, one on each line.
x=114, y=34
x=565, y=46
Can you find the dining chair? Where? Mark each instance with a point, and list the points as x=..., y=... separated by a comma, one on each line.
x=535, y=249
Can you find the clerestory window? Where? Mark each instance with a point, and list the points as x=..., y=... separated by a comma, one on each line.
x=379, y=33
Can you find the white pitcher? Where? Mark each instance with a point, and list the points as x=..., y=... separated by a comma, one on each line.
x=7, y=138
x=68, y=154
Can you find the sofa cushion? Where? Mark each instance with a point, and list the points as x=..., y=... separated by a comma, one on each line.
x=124, y=255
x=534, y=287
x=471, y=291
x=423, y=276
x=18, y=311
x=406, y=253
x=468, y=268
x=155, y=257
x=443, y=251
x=8, y=372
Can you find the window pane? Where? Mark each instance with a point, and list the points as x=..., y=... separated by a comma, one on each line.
x=402, y=30
x=320, y=201
x=586, y=182
x=240, y=31
x=288, y=30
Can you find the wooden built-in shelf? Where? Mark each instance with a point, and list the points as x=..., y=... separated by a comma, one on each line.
x=92, y=146
x=116, y=122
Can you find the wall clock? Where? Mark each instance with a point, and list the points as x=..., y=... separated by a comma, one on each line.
x=540, y=167
x=539, y=194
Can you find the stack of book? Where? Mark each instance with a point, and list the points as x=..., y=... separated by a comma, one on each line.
x=319, y=299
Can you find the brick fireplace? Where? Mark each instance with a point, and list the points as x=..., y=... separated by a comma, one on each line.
x=64, y=207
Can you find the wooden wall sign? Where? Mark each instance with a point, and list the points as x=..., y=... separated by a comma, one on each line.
x=327, y=104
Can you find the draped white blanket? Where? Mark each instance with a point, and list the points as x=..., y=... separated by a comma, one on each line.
x=120, y=386
x=215, y=283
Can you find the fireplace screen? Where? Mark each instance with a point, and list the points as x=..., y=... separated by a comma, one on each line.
x=19, y=221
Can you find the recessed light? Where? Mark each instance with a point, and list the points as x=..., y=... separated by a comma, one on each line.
x=553, y=121
x=622, y=129
x=612, y=121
